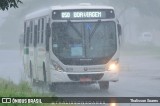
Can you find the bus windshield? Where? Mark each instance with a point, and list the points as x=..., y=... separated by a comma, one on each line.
x=84, y=43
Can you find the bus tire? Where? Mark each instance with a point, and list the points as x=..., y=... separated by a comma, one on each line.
x=104, y=85
x=53, y=87
x=44, y=73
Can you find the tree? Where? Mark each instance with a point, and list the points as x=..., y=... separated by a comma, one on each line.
x=6, y=4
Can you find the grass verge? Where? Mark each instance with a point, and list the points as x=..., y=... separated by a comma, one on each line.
x=9, y=89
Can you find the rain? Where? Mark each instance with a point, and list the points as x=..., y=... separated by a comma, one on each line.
x=139, y=58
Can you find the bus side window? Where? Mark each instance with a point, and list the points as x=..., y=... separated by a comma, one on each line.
x=31, y=32
x=35, y=35
x=38, y=31
x=24, y=39
x=48, y=32
x=42, y=30
x=27, y=38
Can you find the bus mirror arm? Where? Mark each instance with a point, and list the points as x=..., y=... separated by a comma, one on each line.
x=119, y=29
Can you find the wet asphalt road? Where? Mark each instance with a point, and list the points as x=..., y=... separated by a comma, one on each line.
x=139, y=77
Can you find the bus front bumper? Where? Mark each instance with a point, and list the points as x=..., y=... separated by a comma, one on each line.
x=63, y=77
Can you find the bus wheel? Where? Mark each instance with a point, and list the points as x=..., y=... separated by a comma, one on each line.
x=104, y=85
x=44, y=73
x=53, y=87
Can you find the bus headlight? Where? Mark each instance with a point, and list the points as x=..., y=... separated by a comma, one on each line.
x=56, y=66
x=113, y=66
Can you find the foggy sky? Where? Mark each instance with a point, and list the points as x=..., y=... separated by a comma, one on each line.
x=136, y=16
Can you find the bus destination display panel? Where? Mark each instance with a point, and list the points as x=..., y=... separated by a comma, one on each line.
x=82, y=14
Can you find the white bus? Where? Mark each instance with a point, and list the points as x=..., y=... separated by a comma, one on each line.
x=72, y=44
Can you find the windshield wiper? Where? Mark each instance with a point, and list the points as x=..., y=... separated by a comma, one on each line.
x=94, y=30
x=71, y=24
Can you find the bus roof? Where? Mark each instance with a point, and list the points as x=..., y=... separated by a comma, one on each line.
x=44, y=12
x=39, y=13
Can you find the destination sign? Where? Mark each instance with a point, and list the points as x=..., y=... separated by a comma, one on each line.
x=82, y=14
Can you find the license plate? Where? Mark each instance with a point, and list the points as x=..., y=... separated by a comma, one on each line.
x=85, y=79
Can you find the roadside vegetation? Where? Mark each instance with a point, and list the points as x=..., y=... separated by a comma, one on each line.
x=9, y=89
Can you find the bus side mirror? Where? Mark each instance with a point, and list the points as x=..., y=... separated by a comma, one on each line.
x=48, y=34
x=119, y=29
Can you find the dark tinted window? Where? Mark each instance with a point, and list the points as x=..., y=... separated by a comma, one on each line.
x=35, y=35
x=28, y=34
x=73, y=41
x=47, y=31
x=31, y=32
x=24, y=33
x=42, y=30
x=38, y=30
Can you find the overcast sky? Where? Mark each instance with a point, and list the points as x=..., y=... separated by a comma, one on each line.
x=3, y=15
x=136, y=16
